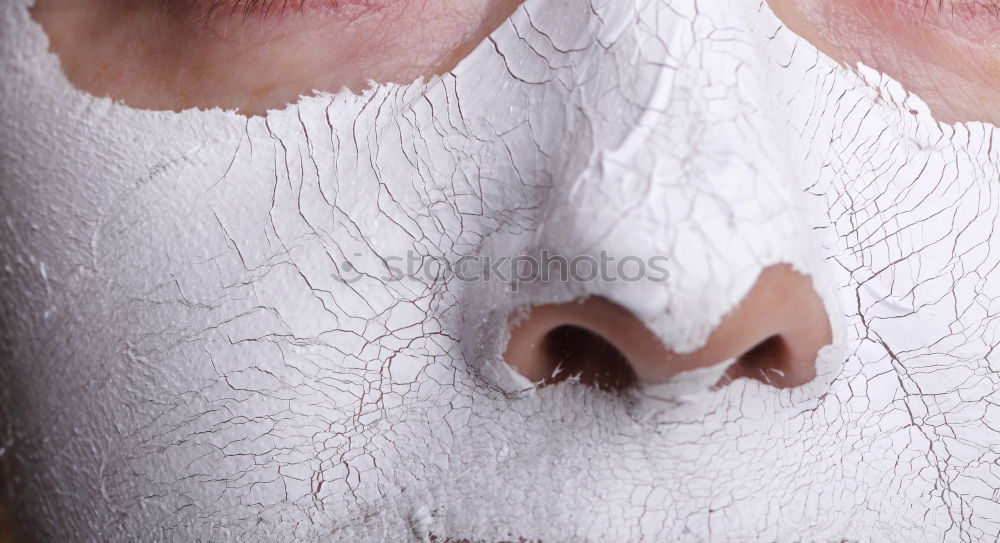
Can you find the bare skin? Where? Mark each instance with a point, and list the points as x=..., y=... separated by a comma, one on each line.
x=177, y=55
x=945, y=52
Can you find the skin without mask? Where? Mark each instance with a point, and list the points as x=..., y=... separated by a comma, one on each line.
x=183, y=359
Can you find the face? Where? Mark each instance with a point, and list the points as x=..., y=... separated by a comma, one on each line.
x=248, y=296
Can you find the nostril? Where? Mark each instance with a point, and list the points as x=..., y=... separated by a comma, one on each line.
x=774, y=334
x=771, y=362
x=766, y=362
x=574, y=351
x=770, y=354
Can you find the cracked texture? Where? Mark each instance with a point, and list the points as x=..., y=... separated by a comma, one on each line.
x=180, y=362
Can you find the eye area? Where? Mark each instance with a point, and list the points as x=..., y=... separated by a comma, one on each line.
x=944, y=52
x=974, y=20
x=251, y=6
x=256, y=55
x=251, y=22
x=240, y=12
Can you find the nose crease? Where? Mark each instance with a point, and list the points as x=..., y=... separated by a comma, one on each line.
x=773, y=335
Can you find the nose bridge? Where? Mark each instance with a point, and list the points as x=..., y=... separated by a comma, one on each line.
x=696, y=182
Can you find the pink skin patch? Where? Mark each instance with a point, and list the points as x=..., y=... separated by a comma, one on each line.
x=943, y=52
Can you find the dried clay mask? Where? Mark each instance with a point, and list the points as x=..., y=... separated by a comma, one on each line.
x=203, y=338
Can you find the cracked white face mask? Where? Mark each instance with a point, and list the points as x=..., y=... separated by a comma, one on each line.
x=183, y=359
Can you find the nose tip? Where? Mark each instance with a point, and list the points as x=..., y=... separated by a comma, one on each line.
x=773, y=335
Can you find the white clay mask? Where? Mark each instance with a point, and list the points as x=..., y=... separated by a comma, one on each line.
x=203, y=338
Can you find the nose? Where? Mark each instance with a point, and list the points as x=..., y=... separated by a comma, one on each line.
x=773, y=335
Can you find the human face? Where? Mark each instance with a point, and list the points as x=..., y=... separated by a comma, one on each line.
x=206, y=336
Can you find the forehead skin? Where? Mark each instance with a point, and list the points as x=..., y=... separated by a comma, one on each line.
x=186, y=361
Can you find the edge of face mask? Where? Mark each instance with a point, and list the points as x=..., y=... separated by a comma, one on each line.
x=882, y=90
x=125, y=151
x=241, y=126
x=19, y=16
x=235, y=119
x=121, y=150
x=652, y=302
x=889, y=108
